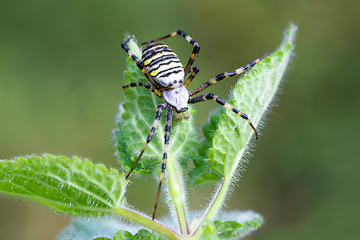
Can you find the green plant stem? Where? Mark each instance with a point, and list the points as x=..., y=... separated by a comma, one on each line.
x=215, y=206
x=147, y=222
x=218, y=199
x=177, y=193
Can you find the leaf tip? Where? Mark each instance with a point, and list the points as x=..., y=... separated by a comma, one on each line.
x=289, y=34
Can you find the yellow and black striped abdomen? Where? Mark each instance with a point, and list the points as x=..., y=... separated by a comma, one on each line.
x=163, y=65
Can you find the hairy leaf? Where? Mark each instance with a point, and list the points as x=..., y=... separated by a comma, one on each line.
x=231, y=135
x=236, y=230
x=145, y=234
x=242, y=224
x=202, y=174
x=85, y=228
x=123, y=235
x=69, y=185
x=141, y=234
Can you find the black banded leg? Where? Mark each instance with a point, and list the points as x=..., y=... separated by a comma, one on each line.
x=143, y=84
x=190, y=40
x=214, y=97
x=138, y=62
x=166, y=146
x=221, y=76
x=151, y=134
x=195, y=71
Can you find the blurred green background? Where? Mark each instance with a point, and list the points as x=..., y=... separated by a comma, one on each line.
x=62, y=68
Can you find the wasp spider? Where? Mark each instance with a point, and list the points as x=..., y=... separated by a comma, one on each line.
x=166, y=77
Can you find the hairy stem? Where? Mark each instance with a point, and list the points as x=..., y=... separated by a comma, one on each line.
x=177, y=193
x=147, y=222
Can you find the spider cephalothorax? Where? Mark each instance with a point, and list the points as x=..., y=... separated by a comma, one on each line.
x=166, y=75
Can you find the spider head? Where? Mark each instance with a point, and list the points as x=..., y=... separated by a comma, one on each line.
x=180, y=110
x=177, y=97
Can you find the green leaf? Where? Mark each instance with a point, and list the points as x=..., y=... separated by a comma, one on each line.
x=123, y=235
x=85, y=228
x=252, y=95
x=140, y=235
x=226, y=230
x=202, y=174
x=69, y=185
x=242, y=223
x=135, y=120
x=106, y=228
x=229, y=225
x=209, y=130
x=145, y=234
x=208, y=231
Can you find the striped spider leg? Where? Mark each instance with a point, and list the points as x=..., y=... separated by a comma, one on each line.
x=189, y=39
x=242, y=70
x=210, y=96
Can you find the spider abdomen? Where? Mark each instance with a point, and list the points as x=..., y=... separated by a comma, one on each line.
x=163, y=65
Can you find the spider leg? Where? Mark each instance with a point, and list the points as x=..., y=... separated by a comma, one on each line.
x=138, y=62
x=195, y=71
x=214, y=97
x=151, y=134
x=166, y=146
x=221, y=76
x=190, y=40
x=144, y=84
